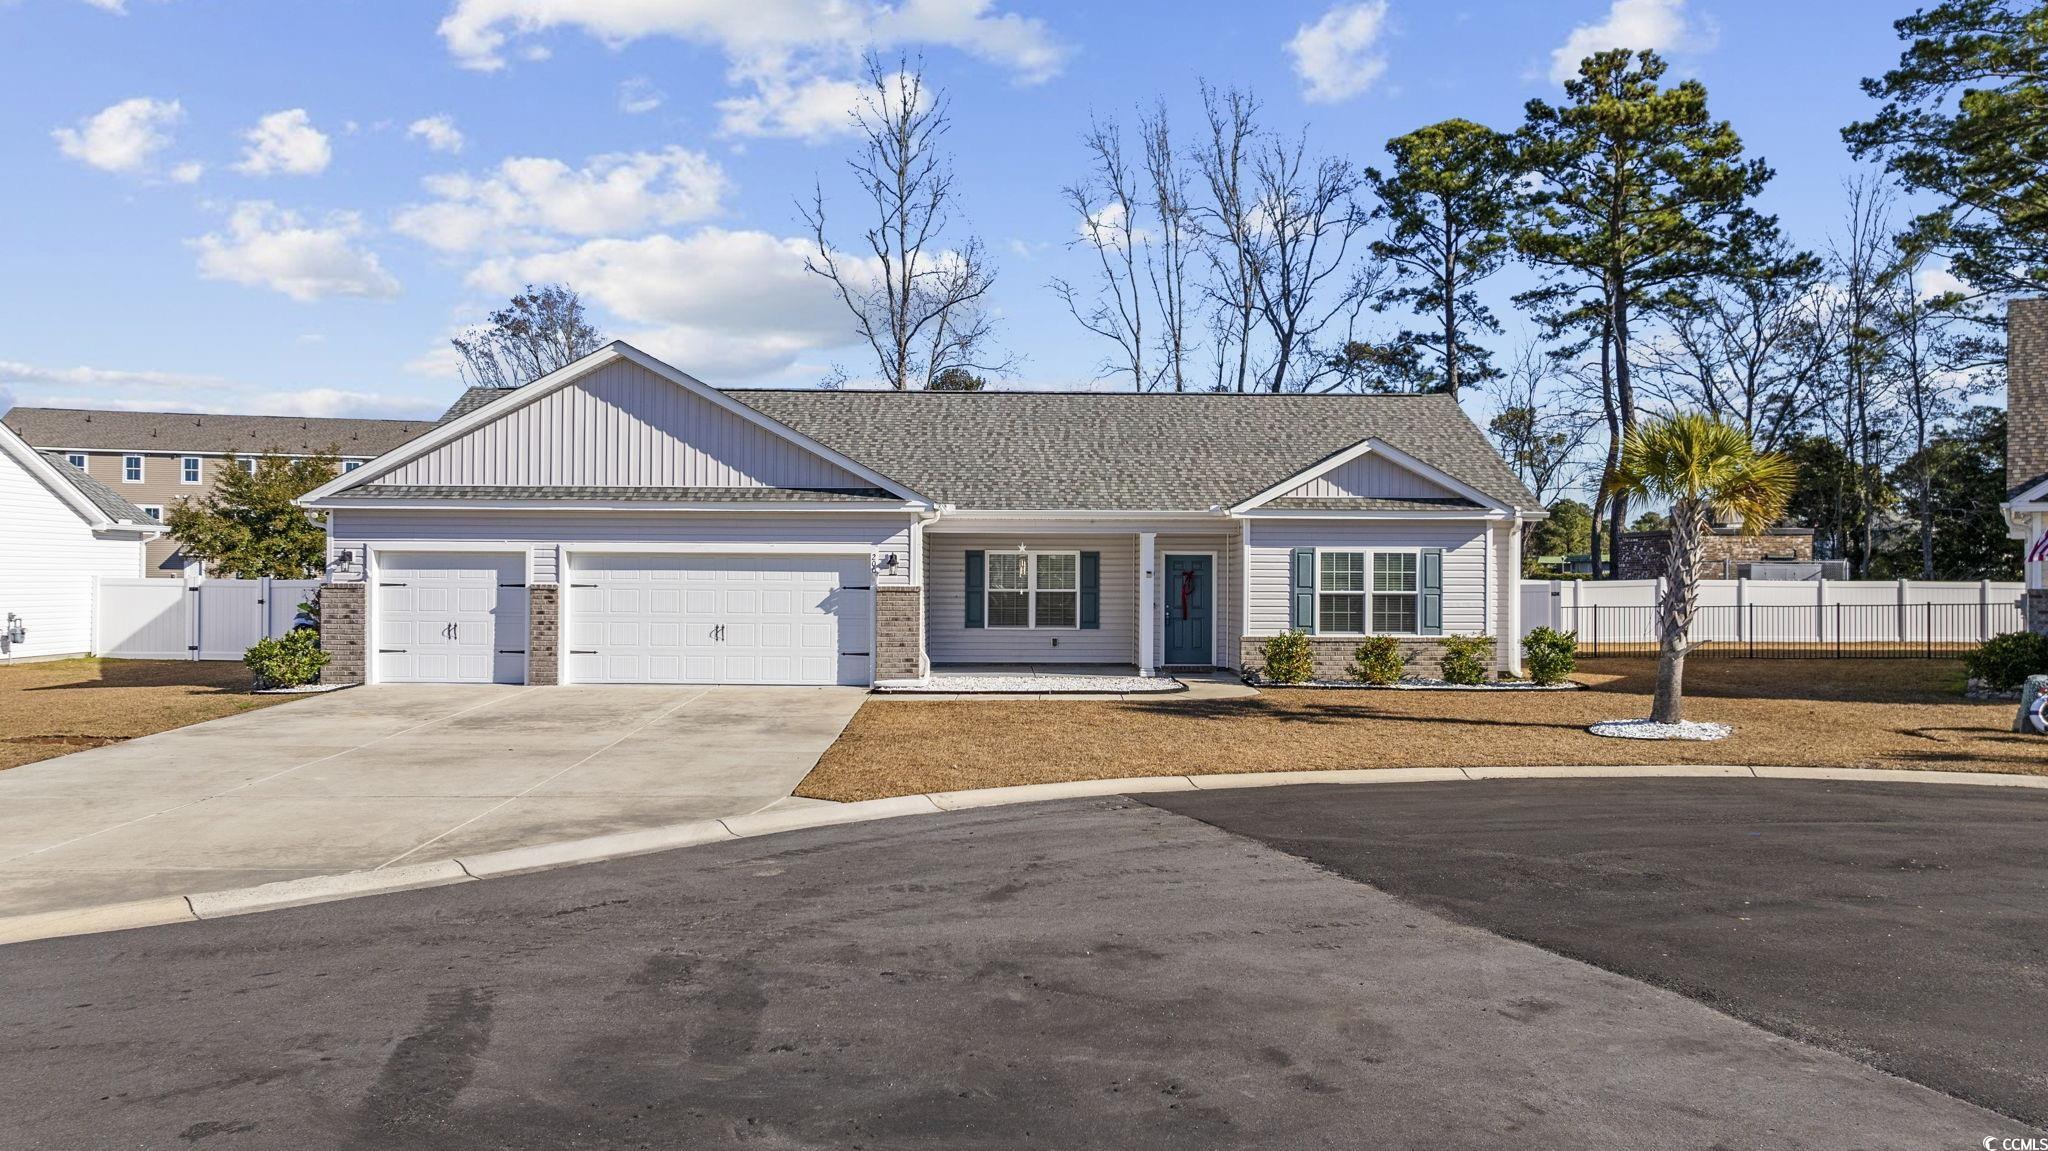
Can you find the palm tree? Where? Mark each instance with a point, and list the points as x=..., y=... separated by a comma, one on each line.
x=1710, y=472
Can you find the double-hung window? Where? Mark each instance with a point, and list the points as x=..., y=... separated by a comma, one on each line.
x=1034, y=589
x=76, y=460
x=188, y=470
x=131, y=469
x=153, y=511
x=1378, y=592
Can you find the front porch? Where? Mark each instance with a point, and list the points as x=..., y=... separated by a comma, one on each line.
x=1084, y=598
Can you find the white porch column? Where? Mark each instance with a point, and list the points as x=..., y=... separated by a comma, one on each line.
x=1511, y=574
x=1148, y=601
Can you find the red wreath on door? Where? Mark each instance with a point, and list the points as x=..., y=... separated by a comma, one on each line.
x=1187, y=591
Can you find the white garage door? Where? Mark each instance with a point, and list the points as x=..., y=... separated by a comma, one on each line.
x=444, y=618
x=719, y=619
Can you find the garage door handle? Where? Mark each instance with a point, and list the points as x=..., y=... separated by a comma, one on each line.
x=391, y=651
x=381, y=583
x=582, y=585
x=582, y=651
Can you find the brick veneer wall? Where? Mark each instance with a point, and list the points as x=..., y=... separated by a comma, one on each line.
x=1642, y=554
x=342, y=632
x=2026, y=392
x=543, y=633
x=899, y=632
x=1333, y=655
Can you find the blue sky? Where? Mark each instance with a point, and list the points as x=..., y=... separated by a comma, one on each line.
x=266, y=205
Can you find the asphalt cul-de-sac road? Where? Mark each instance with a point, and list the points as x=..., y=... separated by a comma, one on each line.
x=1541, y=964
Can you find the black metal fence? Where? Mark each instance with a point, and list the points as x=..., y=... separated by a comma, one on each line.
x=1802, y=631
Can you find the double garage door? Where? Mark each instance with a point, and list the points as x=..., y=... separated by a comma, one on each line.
x=630, y=619
x=719, y=619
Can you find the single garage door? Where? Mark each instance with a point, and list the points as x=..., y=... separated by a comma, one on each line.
x=445, y=618
x=719, y=619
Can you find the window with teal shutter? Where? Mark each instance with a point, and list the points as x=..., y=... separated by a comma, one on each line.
x=1432, y=591
x=1091, y=590
x=1302, y=616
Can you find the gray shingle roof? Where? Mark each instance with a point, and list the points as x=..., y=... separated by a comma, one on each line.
x=638, y=495
x=103, y=497
x=83, y=429
x=1125, y=451
x=470, y=400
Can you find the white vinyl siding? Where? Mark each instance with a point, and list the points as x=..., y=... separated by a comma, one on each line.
x=1465, y=588
x=1375, y=476
x=950, y=640
x=622, y=425
x=541, y=532
x=48, y=564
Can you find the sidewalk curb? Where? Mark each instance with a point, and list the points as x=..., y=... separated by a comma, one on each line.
x=200, y=906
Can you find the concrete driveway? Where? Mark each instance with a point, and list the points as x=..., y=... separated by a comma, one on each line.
x=376, y=776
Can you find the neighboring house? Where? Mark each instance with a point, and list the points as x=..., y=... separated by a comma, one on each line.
x=158, y=459
x=59, y=529
x=620, y=522
x=2026, y=447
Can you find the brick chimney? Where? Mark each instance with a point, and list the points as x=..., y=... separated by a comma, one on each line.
x=2026, y=393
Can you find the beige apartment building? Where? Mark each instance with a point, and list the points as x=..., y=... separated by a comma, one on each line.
x=156, y=460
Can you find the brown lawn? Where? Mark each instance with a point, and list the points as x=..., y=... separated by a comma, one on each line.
x=69, y=705
x=1833, y=713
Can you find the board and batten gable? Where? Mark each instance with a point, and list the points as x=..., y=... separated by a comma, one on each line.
x=49, y=556
x=539, y=533
x=1471, y=606
x=622, y=425
x=1371, y=476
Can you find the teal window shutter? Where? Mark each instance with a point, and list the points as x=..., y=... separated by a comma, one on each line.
x=977, y=578
x=1091, y=590
x=1303, y=616
x=1432, y=591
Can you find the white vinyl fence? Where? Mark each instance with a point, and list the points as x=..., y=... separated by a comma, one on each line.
x=212, y=619
x=1784, y=618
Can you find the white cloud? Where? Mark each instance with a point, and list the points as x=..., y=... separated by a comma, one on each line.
x=727, y=305
x=123, y=137
x=342, y=402
x=270, y=246
x=526, y=200
x=438, y=132
x=478, y=32
x=117, y=7
x=1338, y=56
x=1656, y=25
x=187, y=172
x=285, y=142
x=440, y=362
x=811, y=110
x=638, y=94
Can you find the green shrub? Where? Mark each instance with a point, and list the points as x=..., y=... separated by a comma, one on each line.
x=290, y=660
x=1466, y=657
x=1378, y=661
x=2005, y=661
x=1549, y=655
x=1290, y=658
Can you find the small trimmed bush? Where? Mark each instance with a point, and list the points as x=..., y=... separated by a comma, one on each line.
x=291, y=660
x=1550, y=656
x=1378, y=661
x=2004, y=662
x=1465, y=658
x=1289, y=658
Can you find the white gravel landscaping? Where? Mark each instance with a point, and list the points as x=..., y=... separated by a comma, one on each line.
x=1033, y=684
x=302, y=689
x=1649, y=729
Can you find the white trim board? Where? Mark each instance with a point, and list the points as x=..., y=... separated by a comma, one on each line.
x=562, y=377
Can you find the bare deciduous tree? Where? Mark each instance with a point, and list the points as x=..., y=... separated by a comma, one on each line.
x=1179, y=235
x=1109, y=204
x=1307, y=218
x=542, y=329
x=920, y=305
x=1230, y=225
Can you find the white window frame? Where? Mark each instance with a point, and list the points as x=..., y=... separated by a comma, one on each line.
x=1031, y=590
x=153, y=511
x=348, y=466
x=190, y=470
x=1367, y=593
x=249, y=464
x=75, y=459
x=136, y=461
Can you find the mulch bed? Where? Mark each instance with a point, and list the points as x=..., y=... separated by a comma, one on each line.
x=1820, y=713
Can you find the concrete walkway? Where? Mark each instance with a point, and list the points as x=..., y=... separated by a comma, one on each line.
x=380, y=776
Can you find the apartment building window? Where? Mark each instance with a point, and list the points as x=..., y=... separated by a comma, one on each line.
x=188, y=470
x=76, y=460
x=131, y=469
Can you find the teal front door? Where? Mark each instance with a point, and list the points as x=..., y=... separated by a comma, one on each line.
x=1188, y=596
